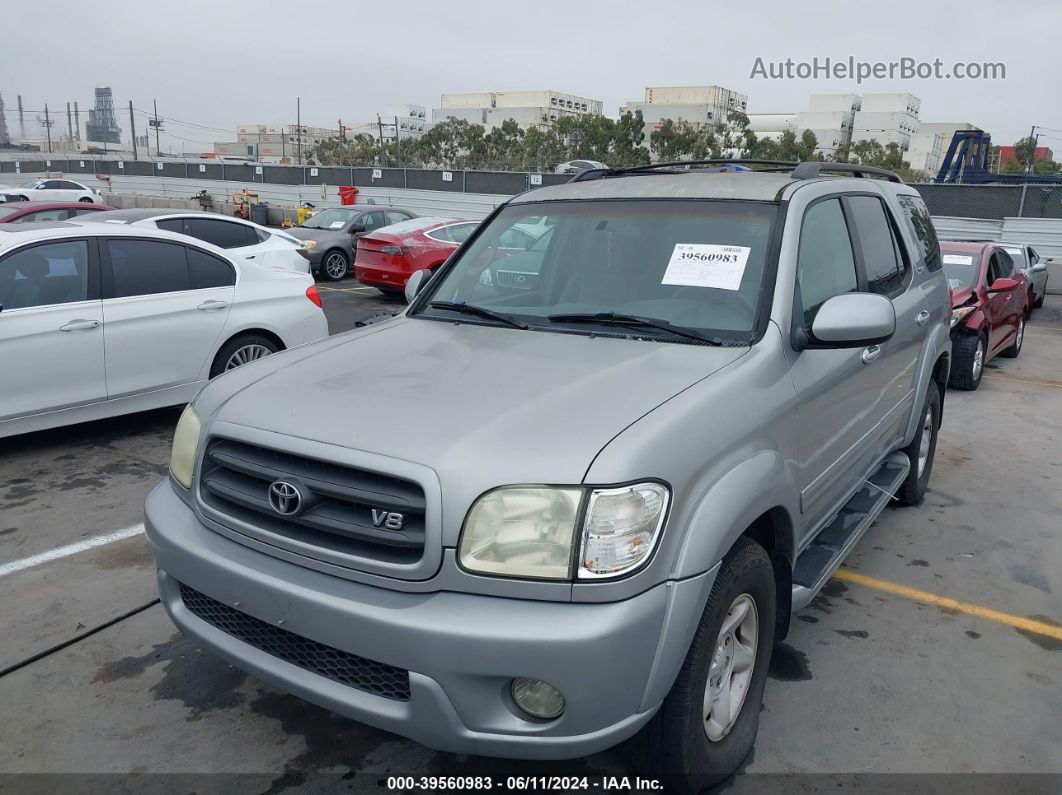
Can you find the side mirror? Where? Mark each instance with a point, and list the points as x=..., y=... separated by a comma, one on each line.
x=1003, y=285
x=416, y=283
x=1039, y=267
x=357, y=229
x=854, y=320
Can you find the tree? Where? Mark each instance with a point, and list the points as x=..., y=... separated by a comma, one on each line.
x=673, y=140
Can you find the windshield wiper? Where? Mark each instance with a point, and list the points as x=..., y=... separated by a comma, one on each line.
x=478, y=311
x=619, y=319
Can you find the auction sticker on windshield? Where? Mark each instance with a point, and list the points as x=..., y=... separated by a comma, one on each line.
x=957, y=259
x=706, y=265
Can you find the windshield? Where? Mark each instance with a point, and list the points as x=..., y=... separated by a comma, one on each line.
x=33, y=183
x=1018, y=255
x=336, y=218
x=692, y=264
x=960, y=268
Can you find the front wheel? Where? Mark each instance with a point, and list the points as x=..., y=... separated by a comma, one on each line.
x=1013, y=351
x=335, y=266
x=922, y=450
x=86, y=200
x=969, y=353
x=1039, y=303
x=708, y=722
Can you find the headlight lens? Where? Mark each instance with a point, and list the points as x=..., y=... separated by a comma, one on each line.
x=309, y=245
x=621, y=529
x=529, y=531
x=958, y=314
x=185, y=442
x=522, y=531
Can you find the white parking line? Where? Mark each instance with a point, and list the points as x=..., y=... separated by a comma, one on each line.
x=70, y=549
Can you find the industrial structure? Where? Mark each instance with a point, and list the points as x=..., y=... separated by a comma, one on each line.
x=102, y=125
x=698, y=106
x=541, y=109
x=5, y=139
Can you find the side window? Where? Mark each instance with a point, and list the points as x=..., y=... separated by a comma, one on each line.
x=223, y=234
x=206, y=270
x=54, y=273
x=67, y=185
x=52, y=184
x=394, y=217
x=992, y=273
x=459, y=232
x=825, y=263
x=1004, y=264
x=884, y=270
x=372, y=221
x=171, y=224
x=147, y=267
x=1033, y=256
x=916, y=215
x=76, y=211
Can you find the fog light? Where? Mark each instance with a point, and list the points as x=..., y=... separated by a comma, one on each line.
x=537, y=698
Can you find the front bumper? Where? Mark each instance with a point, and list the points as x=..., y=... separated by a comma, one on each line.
x=612, y=661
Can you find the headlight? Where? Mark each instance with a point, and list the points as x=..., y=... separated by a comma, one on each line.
x=522, y=531
x=958, y=314
x=309, y=244
x=185, y=442
x=621, y=529
x=529, y=531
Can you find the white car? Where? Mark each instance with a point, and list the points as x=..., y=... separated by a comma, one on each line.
x=55, y=190
x=99, y=320
x=268, y=247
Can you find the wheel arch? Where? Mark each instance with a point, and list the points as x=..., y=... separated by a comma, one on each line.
x=272, y=336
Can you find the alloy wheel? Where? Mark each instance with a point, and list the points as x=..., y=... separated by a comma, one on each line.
x=730, y=671
x=927, y=438
x=245, y=354
x=978, y=360
x=336, y=266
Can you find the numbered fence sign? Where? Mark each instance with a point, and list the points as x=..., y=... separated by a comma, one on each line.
x=377, y=173
x=448, y=176
x=536, y=179
x=313, y=172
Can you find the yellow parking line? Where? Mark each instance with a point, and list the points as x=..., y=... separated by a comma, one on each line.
x=1018, y=622
x=1022, y=381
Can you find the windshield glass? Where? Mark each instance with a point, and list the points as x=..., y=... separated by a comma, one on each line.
x=336, y=218
x=692, y=264
x=960, y=267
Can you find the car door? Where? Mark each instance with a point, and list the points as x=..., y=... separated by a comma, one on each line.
x=51, y=328
x=1003, y=307
x=55, y=191
x=1039, y=271
x=162, y=320
x=838, y=391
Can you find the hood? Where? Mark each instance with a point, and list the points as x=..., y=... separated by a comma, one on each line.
x=482, y=406
x=960, y=295
x=320, y=235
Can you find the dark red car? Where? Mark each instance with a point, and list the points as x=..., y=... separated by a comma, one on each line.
x=386, y=258
x=989, y=300
x=29, y=212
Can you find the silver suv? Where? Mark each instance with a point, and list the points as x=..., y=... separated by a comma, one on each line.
x=582, y=484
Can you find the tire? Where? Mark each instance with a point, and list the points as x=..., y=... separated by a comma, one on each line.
x=86, y=200
x=335, y=265
x=1039, y=302
x=1013, y=351
x=248, y=346
x=966, y=373
x=677, y=740
x=922, y=450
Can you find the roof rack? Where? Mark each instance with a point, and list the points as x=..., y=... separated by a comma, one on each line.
x=809, y=169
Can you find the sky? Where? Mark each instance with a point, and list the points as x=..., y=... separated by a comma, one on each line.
x=218, y=64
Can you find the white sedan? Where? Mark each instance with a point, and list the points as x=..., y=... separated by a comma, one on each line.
x=55, y=190
x=172, y=311
x=269, y=247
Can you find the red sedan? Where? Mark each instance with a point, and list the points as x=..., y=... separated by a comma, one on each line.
x=989, y=299
x=29, y=212
x=387, y=257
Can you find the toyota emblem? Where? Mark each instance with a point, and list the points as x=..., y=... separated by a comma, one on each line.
x=285, y=497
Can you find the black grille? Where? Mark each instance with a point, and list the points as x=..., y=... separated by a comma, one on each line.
x=520, y=280
x=346, y=510
x=340, y=666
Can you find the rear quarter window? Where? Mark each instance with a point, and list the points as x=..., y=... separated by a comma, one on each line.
x=920, y=224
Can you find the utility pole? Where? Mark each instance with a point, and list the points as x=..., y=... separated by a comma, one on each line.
x=132, y=127
x=48, y=127
x=21, y=120
x=379, y=125
x=158, y=126
x=342, y=137
x=77, y=122
x=69, y=123
x=1032, y=150
x=398, y=143
x=298, y=126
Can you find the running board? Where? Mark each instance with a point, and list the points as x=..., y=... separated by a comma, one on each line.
x=833, y=543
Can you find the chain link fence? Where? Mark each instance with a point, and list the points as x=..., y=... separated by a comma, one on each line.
x=993, y=202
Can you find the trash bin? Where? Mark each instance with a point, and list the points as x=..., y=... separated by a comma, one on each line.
x=348, y=194
x=260, y=213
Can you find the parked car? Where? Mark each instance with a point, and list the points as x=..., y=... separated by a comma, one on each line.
x=54, y=190
x=271, y=248
x=989, y=299
x=33, y=212
x=557, y=516
x=1035, y=269
x=387, y=257
x=336, y=230
x=173, y=311
x=575, y=166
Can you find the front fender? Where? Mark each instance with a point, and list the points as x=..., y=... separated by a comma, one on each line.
x=753, y=487
x=938, y=343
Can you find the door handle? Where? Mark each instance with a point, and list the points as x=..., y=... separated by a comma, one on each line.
x=207, y=306
x=250, y=256
x=923, y=318
x=79, y=325
x=871, y=354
